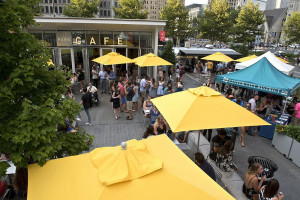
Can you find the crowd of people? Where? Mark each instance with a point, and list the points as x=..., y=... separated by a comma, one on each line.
x=129, y=93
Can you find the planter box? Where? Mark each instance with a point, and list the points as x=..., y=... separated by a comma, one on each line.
x=295, y=153
x=282, y=143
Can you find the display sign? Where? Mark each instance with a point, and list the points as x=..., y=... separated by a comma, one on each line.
x=162, y=36
x=64, y=38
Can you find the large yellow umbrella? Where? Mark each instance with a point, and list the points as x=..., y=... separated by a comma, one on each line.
x=203, y=108
x=244, y=59
x=50, y=62
x=141, y=171
x=150, y=60
x=282, y=60
x=218, y=56
x=112, y=58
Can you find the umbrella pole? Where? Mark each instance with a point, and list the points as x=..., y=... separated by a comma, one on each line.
x=198, y=141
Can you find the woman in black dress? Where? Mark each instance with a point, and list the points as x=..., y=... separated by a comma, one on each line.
x=116, y=101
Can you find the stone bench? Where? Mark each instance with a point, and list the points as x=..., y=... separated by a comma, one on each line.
x=231, y=181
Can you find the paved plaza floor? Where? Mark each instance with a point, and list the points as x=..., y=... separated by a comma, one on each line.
x=111, y=132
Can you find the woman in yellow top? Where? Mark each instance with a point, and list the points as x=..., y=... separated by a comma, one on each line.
x=209, y=67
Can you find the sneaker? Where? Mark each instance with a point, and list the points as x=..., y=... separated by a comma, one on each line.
x=78, y=119
x=89, y=124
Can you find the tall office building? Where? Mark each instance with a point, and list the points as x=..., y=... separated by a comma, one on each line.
x=155, y=7
x=294, y=6
x=276, y=4
x=53, y=8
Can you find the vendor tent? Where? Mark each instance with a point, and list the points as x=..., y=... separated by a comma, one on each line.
x=262, y=76
x=281, y=66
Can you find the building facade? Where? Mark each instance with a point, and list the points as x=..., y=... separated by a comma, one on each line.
x=294, y=6
x=77, y=41
x=53, y=8
x=195, y=10
x=273, y=25
x=155, y=7
x=276, y=4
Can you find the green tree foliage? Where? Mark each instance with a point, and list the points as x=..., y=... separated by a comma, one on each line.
x=291, y=28
x=131, y=9
x=31, y=103
x=177, y=17
x=215, y=23
x=248, y=22
x=168, y=53
x=82, y=8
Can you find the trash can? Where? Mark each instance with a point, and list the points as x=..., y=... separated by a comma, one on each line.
x=269, y=166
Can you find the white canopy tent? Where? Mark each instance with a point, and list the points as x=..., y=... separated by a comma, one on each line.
x=281, y=66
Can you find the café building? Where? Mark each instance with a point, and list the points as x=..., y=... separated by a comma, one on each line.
x=77, y=41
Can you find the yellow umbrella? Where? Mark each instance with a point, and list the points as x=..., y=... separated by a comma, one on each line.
x=244, y=59
x=282, y=60
x=203, y=108
x=50, y=62
x=218, y=56
x=112, y=58
x=141, y=171
x=150, y=60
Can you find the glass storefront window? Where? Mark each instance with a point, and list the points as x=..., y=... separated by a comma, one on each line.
x=78, y=38
x=145, y=40
x=92, y=38
x=119, y=38
x=146, y=51
x=78, y=56
x=132, y=39
x=106, y=38
x=37, y=34
x=49, y=38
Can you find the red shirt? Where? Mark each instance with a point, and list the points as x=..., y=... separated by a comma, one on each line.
x=122, y=91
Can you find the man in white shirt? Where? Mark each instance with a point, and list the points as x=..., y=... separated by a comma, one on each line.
x=103, y=76
x=93, y=90
x=253, y=103
x=143, y=88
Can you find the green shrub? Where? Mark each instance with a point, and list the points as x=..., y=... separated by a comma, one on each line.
x=289, y=130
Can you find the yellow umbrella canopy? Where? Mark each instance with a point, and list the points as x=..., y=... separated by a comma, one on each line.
x=50, y=62
x=244, y=59
x=150, y=60
x=141, y=171
x=112, y=58
x=203, y=108
x=282, y=60
x=218, y=56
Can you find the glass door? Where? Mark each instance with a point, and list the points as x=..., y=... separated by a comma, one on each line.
x=121, y=69
x=67, y=58
x=103, y=53
x=92, y=54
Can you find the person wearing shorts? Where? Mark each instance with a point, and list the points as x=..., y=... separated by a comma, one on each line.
x=122, y=94
x=143, y=85
x=129, y=95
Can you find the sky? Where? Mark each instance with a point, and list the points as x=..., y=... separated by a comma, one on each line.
x=189, y=2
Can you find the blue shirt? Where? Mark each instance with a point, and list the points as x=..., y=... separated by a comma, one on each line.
x=241, y=103
x=219, y=66
x=112, y=75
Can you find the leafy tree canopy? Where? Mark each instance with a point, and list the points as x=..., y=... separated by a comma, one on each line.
x=291, y=28
x=177, y=19
x=215, y=23
x=82, y=8
x=248, y=22
x=31, y=103
x=131, y=9
x=168, y=53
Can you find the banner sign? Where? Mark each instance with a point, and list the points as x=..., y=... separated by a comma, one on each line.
x=162, y=36
x=252, y=86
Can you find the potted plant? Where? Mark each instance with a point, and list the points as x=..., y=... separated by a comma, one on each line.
x=294, y=132
x=281, y=141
